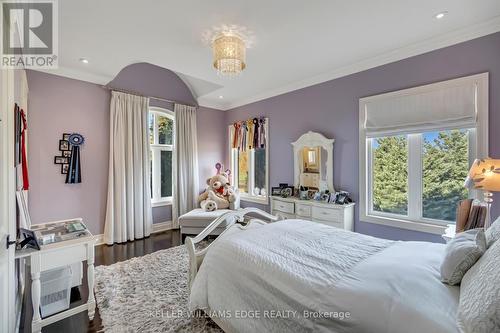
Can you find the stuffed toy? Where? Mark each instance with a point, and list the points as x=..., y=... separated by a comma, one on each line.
x=219, y=193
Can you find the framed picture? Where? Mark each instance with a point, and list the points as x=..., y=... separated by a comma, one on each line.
x=64, y=168
x=66, y=136
x=63, y=145
x=276, y=191
x=66, y=153
x=61, y=160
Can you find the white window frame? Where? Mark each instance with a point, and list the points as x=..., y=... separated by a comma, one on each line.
x=233, y=158
x=478, y=141
x=156, y=149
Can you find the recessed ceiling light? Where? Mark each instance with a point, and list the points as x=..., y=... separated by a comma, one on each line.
x=84, y=60
x=221, y=97
x=440, y=15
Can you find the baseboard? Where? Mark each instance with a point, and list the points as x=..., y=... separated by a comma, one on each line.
x=157, y=227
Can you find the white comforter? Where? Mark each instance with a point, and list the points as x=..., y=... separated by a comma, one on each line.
x=300, y=276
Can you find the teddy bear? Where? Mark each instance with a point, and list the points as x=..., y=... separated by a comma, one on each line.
x=219, y=193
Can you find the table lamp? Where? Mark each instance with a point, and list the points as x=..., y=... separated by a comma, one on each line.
x=484, y=175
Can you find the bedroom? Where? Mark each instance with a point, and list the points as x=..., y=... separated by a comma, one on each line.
x=356, y=123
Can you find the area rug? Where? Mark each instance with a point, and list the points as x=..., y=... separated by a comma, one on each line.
x=148, y=294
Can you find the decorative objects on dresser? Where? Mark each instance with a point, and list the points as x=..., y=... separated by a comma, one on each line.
x=70, y=157
x=484, y=175
x=340, y=216
x=461, y=253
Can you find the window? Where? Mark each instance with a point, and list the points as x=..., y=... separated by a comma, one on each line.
x=439, y=165
x=249, y=165
x=161, y=139
x=413, y=163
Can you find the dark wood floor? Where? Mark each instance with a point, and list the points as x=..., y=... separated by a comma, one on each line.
x=104, y=255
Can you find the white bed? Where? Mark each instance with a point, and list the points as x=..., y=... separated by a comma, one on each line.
x=300, y=276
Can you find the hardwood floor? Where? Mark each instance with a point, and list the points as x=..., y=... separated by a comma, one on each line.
x=104, y=255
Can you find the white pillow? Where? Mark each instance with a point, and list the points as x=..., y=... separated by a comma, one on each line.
x=461, y=253
x=493, y=233
x=479, y=307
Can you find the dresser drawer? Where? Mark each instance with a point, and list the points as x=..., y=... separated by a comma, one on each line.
x=285, y=207
x=303, y=210
x=327, y=214
x=286, y=216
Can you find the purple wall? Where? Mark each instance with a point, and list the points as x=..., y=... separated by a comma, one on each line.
x=331, y=108
x=58, y=105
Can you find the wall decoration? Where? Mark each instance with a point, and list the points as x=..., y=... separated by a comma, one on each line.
x=61, y=160
x=64, y=168
x=249, y=134
x=70, y=157
x=63, y=145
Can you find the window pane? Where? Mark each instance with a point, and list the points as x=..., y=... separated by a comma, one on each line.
x=390, y=174
x=243, y=171
x=151, y=121
x=166, y=173
x=165, y=130
x=445, y=166
x=260, y=168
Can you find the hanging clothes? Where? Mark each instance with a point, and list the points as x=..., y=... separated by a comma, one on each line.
x=262, y=133
x=248, y=134
x=24, y=159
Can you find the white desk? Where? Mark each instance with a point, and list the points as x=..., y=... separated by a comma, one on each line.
x=56, y=255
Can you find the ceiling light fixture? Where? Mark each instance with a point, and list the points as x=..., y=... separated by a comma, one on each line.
x=84, y=60
x=229, y=53
x=221, y=97
x=440, y=15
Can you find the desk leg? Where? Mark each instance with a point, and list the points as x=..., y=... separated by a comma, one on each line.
x=90, y=278
x=36, y=325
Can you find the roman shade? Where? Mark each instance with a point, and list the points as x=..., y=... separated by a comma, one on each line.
x=444, y=105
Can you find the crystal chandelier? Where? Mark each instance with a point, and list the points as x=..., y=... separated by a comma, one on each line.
x=229, y=54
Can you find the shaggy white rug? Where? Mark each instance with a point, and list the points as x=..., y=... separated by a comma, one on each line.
x=148, y=294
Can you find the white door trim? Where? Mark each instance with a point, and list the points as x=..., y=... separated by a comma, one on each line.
x=7, y=201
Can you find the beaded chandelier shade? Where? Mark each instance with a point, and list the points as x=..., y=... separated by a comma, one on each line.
x=229, y=54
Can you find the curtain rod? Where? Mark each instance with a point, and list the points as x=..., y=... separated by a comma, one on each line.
x=151, y=97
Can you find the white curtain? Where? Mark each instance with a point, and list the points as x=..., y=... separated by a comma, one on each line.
x=185, y=168
x=128, y=214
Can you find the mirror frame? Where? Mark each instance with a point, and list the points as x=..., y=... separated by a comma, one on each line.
x=313, y=139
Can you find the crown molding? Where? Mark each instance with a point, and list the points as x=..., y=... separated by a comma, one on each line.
x=435, y=43
x=78, y=74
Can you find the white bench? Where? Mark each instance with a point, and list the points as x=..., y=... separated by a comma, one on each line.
x=193, y=222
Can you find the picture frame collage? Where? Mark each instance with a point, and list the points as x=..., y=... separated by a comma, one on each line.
x=65, y=157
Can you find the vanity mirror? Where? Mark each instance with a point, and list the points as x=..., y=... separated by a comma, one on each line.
x=313, y=161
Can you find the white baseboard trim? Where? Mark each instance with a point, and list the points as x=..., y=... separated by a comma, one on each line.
x=157, y=227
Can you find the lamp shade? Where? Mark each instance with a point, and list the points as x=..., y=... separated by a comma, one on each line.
x=484, y=175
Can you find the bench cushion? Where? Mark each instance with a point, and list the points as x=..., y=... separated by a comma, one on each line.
x=200, y=218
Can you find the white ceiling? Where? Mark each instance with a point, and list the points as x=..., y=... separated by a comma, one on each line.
x=297, y=42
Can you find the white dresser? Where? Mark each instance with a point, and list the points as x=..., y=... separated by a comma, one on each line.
x=339, y=216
